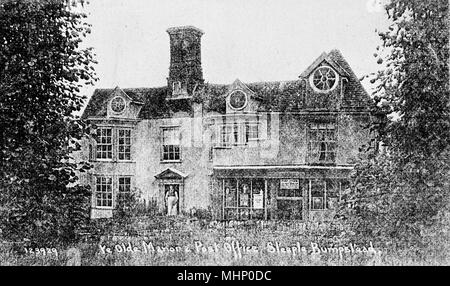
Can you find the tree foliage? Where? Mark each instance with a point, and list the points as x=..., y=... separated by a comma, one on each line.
x=399, y=193
x=42, y=68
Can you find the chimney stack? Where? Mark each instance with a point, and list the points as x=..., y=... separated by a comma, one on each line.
x=185, y=72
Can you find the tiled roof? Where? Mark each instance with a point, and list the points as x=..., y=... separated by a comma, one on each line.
x=356, y=95
x=155, y=104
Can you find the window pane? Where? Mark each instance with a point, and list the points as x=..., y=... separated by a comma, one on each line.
x=322, y=142
x=104, y=143
x=230, y=193
x=124, y=142
x=103, y=190
x=332, y=194
x=171, y=143
x=251, y=131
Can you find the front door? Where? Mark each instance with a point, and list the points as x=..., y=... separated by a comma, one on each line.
x=290, y=199
x=172, y=205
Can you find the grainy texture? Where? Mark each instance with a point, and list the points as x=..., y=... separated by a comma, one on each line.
x=311, y=170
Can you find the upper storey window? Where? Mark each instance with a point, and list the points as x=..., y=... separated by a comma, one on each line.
x=124, y=144
x=322, y=143
x=237, y=133
x=113, y=144
x=251, y=131
x=104, y=143
x=324, y=79
x=171, y=144
x=226, y=135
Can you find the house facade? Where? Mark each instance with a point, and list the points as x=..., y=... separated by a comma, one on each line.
x=268, y=150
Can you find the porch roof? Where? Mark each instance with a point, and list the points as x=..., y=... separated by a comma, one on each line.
x=170, y=173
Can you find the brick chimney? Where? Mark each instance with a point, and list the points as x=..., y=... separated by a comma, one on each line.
x=185, y=72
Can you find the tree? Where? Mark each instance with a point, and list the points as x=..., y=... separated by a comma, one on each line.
x=400, y=193
x=42, y=69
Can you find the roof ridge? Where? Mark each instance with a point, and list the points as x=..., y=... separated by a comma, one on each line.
x=130, y=88
x=274, y=81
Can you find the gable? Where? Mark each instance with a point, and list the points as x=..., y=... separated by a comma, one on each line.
x=324, y=59
x=121, y=104
x=355, y=96
x=151, y=102
x=170, y=174
x=349, y=93
x=240, y=98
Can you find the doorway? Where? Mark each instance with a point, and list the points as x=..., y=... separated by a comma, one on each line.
x=290, y=209
x=176, y=190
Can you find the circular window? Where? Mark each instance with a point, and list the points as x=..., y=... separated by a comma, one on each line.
x=118, y=104
x=238, y=99
x=324, y=79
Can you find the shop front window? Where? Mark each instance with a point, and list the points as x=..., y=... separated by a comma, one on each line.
x=258, y=203
x=230, y=199
x=332, y=194
x=325, y=194
x=244, y=199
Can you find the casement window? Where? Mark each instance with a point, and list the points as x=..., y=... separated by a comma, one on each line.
x=124, y=144
x=322, y=143
x=236, y=136
x=171, y=144
x=104, y=143
x=104, y=192
x=226, y=135
x=251, y=131
x=237, y=133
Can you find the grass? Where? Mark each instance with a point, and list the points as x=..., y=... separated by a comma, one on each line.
x=164, y=241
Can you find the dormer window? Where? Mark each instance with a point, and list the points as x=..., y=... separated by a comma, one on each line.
x=324, y=79
x=238, y=100
x=118, y=104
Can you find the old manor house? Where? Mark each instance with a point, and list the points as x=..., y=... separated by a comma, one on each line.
x=267, y=150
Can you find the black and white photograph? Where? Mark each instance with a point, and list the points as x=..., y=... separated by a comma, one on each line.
x=219, y=133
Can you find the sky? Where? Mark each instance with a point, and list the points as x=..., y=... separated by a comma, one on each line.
x=253, y=40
